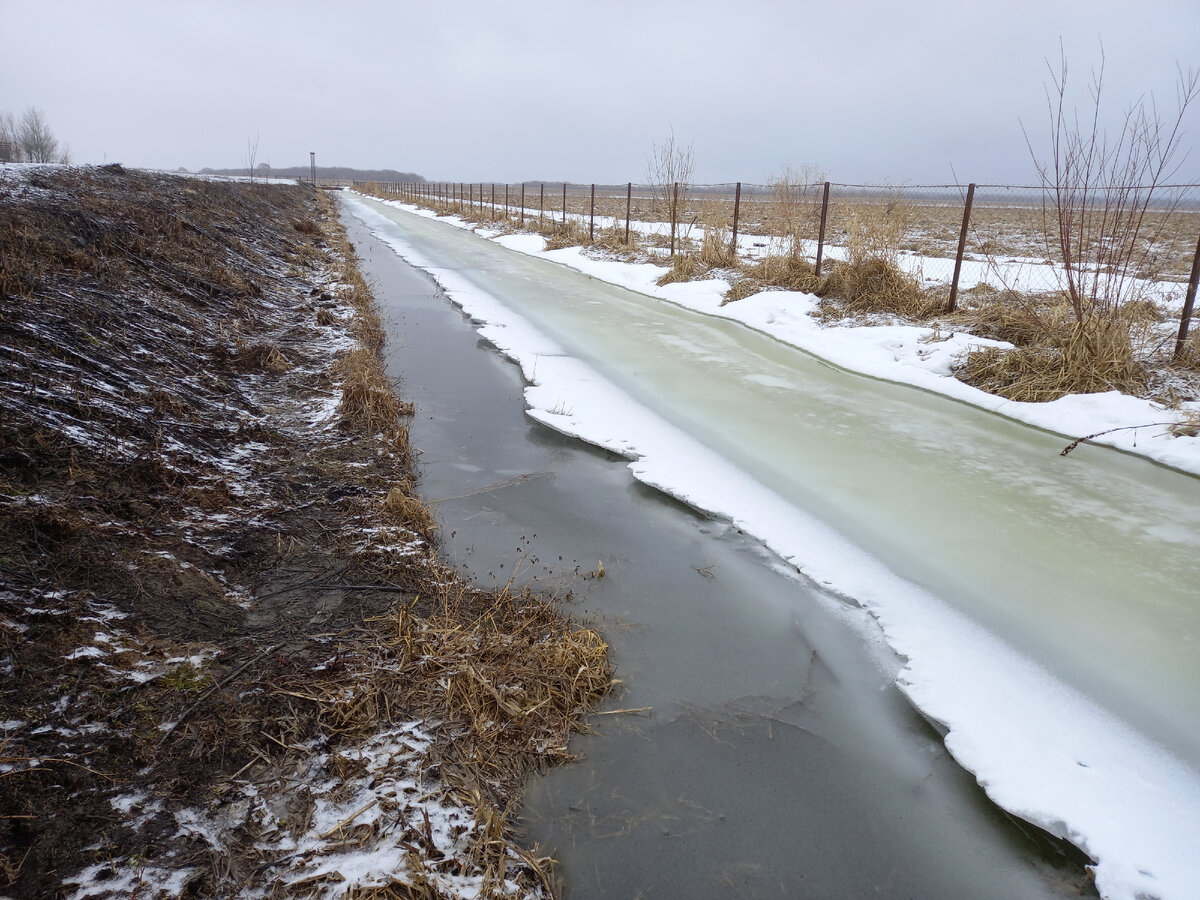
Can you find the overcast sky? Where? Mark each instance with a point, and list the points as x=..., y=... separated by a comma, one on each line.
x=917, y=91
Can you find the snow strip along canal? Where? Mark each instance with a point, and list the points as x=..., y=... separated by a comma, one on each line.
x=1043, y=609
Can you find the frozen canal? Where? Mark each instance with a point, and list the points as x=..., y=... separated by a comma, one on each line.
x=1084, y=564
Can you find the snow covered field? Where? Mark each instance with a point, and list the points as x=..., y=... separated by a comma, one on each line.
x=1040, y=748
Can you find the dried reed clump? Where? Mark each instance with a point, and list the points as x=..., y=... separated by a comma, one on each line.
x=508, y=677
x=407, y=508
x=1006, y=315
x=875, y=284
x=571, y=233
x=870, y=279
x=510, y=668
x=308, y=227
x=788, y=272
x=262, y=357
x=742, y=288
x=716, y=250
x=1188, y=424
x=1085, y=357
x=612, y=237
x=684, y=267
x=368, y=401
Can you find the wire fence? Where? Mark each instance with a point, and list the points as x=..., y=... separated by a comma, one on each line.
x=950, y=237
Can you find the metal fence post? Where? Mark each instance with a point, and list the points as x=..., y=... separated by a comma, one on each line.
x=628, y=206
x=962, y=243
x=737, y=208
x=541, y=202
x=592, y=220
x=674, y=216
x=1185, y=318
x=821, y=233
x=506, y=203
x=564, y=203
x=493, y=201
x=522, y=204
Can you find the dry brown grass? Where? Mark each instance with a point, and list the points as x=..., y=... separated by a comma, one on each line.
x=716, y=249
x=262, y=357
x=558, y=234
x=368, y=400
x=684, y=267
x=874, y=284
x=788, y=272
x=794, y=210
x=613, y=239
x=870, y=280
x=508, y=675
x=1057, y=355
x=406, y=507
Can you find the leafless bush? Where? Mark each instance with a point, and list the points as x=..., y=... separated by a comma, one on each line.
x=1098, y=191
x=669, y=172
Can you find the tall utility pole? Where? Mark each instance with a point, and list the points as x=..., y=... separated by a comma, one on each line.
x=312, y=164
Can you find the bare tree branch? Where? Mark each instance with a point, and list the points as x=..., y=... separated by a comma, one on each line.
x=1102, y=197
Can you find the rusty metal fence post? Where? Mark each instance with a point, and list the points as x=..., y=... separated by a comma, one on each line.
x=737, y=208
x=674, y=216
x=821, y=233
x=1185, y=318
x=962, y=243
x=592, y=217
x=628, y=207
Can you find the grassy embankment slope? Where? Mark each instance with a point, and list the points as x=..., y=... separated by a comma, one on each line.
x=230, y=660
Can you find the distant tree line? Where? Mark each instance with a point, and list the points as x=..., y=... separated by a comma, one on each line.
x=340, y=173
x=29, y=139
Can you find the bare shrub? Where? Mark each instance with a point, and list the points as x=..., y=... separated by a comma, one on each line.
x=1098, y=191
x=669, y=172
